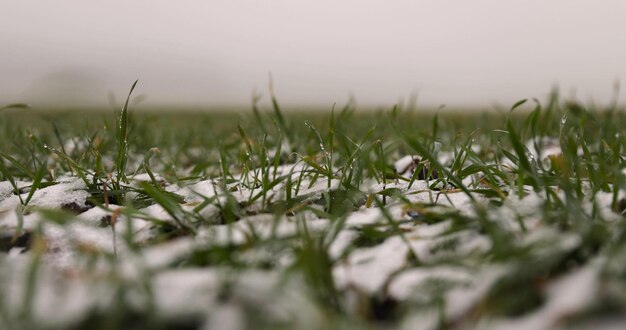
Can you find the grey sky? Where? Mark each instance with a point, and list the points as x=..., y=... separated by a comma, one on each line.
x=218, y=52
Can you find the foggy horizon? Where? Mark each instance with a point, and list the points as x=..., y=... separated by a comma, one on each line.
x=220, y=54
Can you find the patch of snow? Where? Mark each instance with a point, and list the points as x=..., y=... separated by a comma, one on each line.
x=145, y=177
x=6, y=188
x=198, y=190
x=427, y=319
x=321, y=185
x=461, y=300
x=186, y=292
x=162, y=255
x=604, y=201
x=404, y=166
x=59, y=301
x=364, y=217
x=369, y=268
x=157, y=211
x=568, y=295
x=68, y=190
x=228, y=316
x=10, y=222
x=341, y=243
x=66, y=243
x=421, y=231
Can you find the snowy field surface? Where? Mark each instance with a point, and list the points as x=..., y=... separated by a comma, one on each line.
x=440, y=239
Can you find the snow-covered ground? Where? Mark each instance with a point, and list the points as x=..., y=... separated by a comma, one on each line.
x=444, y=272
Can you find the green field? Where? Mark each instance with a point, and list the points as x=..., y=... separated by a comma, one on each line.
x=271, y=219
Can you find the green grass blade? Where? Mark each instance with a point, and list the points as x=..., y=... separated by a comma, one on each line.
x=122, y=139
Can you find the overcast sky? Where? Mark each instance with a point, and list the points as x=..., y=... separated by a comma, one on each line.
x=209, y=53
